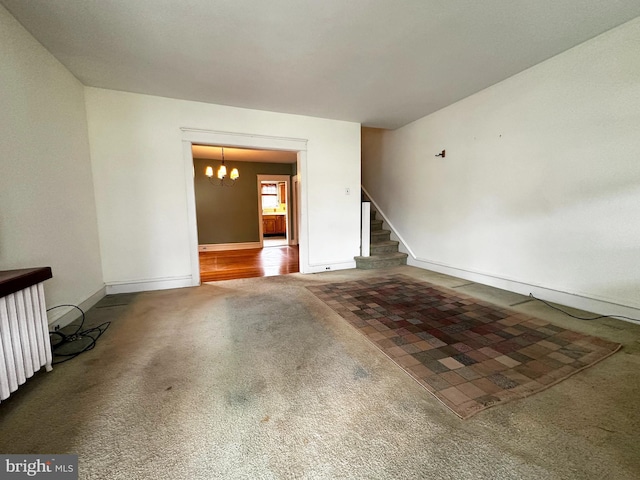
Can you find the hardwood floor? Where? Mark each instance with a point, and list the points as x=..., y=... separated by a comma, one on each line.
x=259, y=262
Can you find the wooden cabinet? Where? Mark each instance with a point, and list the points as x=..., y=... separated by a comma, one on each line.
x=274, y=225
x=269, y=225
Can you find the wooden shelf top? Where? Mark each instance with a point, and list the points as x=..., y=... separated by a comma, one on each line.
x=12, y=281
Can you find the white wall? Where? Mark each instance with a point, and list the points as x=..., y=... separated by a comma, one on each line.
x=140, y=185
x=541, y=180
x=47, y=208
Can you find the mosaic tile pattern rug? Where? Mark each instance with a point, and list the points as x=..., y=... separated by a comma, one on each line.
x=469, y=354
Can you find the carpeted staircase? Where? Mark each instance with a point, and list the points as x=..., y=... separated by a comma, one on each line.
x=384, y=251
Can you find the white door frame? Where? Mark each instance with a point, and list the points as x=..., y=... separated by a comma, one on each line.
x=295, y=180
x=243, y=140
x=275, y=178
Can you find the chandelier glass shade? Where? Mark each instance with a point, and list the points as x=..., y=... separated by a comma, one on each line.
x=221, y=175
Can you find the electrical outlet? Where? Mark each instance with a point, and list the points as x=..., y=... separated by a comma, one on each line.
x=327, y=268
x=56, y=327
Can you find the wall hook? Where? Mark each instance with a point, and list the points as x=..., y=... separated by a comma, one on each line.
x=441, y=154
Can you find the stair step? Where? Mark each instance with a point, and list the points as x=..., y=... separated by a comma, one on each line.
x=388, y=246
x=381, y=261
x=380, y=236
x=372, y=214
x=376, y=225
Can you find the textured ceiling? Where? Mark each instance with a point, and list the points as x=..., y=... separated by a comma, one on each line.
x=382, y=63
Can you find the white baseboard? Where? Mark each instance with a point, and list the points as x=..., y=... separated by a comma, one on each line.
x=330, y=267
x=219, y=247
x=578, y=300
x=146, y=285
x=62, y=318
x=570, y=299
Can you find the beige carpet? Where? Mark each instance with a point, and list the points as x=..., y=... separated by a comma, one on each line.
x=259, y=379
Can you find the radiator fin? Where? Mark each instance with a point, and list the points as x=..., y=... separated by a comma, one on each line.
x=24, y=338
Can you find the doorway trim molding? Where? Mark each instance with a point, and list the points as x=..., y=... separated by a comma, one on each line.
x=192, y=136
x=265, y=177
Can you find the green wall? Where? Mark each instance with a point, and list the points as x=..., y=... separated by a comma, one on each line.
x=230, y=214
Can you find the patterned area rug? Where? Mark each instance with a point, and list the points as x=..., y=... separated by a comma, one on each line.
x=469, y=354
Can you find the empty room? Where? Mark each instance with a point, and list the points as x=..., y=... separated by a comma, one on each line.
x=435, y=207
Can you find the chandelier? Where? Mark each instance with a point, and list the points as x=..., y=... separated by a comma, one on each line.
x=222, y=174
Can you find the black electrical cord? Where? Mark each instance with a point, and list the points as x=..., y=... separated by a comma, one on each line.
x=76, y=338
x=583, y=318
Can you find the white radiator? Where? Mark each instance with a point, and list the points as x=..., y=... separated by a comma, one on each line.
x=24, y=338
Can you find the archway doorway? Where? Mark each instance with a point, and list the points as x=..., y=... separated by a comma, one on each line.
x=296, y=190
